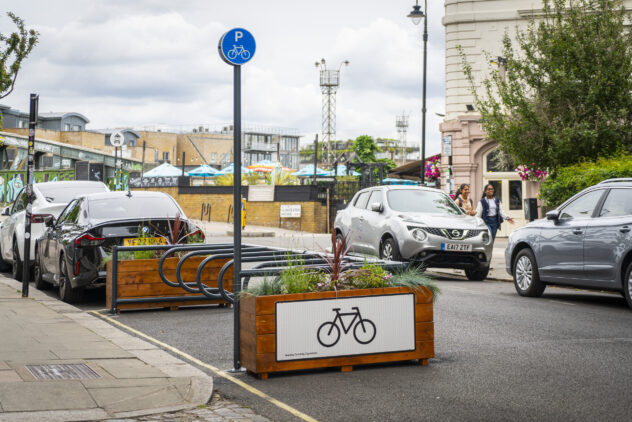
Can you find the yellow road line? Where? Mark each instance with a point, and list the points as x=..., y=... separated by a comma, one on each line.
x=222, y=374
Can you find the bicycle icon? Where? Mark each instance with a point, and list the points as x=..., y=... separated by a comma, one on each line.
x=238, y=51
x=329, y=332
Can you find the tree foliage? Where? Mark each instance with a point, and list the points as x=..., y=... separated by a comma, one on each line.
x=14, y=48
x=365, y=148
x=567, y=181
x=565, y=91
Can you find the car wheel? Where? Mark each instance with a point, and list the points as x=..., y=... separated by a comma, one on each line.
x=526, y=276
x=40, y=283
x=389, y=250
x=627, y=285
x=16, y=268
x=4, y=266
x=477, y=275
x=67, y=293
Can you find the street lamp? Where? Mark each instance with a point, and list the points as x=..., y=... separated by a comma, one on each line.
x=416, y=15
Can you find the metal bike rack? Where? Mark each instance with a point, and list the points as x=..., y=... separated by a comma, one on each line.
x=268, y=261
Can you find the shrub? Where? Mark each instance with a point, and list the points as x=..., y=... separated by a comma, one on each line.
x=567, y=181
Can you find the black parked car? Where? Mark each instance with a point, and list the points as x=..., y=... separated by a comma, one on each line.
x=70, y=254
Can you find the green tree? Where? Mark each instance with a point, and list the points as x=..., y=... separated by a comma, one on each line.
x=14, y=48
x=564, y=93
x=365, y=148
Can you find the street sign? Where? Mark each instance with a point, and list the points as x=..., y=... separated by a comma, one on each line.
x=290, y=211
x=447, y=145
x=237, y=46
x=117, y=139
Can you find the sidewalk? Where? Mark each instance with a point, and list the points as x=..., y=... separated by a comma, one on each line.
x=100, y=372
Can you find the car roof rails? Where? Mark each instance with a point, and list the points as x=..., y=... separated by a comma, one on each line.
x=620, y=179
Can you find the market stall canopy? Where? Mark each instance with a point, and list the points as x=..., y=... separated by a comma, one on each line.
x=268, y=166
x=342, y=171
x=203, y=170
x=309, y=171
x=393, y=181
x=163, y=170
x=230, y=169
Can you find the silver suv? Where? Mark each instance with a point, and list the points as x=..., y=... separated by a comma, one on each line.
x=418, y=224
x=586, y=242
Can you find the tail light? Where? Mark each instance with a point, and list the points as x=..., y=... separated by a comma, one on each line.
x=77, y=268
x=199, y=233
x=88, y=240
x=40, y=218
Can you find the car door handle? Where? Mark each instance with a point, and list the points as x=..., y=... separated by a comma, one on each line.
x=624, y=229
x=578, y=231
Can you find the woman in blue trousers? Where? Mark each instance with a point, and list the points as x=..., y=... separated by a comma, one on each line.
x=491, y=211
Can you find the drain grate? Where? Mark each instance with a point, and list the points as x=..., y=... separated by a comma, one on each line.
x=62, y=372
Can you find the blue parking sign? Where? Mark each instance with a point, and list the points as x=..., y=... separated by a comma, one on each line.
x=237, y=46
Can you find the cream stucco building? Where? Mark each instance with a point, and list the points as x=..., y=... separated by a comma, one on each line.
x=478, y=26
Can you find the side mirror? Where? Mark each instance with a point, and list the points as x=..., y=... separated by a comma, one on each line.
x=49, y=221
x=377, y=207
x=553, y=215
x=6, y=211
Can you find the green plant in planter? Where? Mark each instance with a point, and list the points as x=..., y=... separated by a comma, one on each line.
x=414, y=278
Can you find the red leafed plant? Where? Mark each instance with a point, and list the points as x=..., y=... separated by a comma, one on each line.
x=177, y=231
x=337, y=265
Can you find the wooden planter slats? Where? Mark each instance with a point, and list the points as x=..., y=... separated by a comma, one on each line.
x=140, y=279
x=257, y=332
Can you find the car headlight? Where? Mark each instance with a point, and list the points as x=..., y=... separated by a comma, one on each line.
x=419, y=235
x=485, y=237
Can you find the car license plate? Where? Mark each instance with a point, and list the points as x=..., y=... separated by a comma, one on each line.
x=456, y=247
x=144, y=241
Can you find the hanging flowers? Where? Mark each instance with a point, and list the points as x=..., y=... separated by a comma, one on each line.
x=531, y=172
x=432, y=168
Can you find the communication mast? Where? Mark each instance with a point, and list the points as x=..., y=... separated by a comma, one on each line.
x=329, y=82
x=401, y=123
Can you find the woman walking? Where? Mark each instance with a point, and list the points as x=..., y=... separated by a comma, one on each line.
x=491, y=210
x=463, y=200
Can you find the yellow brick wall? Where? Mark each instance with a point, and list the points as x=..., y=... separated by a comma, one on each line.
x=207, y=143
x=85, y=139
x=49, y=135
x=313, y=214
x=161, y=142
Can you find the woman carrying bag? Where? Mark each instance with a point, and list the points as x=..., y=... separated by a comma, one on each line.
x=463, y=200
x=491, y=211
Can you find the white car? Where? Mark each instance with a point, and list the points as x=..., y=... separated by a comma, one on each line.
x=50, y=200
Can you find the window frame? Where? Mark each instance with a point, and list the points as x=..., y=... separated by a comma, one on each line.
x=596, y=210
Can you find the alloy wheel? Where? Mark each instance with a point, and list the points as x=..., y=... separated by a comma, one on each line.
x=630, y=284
x=524, y=273
x=387, y=251
x=15, y=268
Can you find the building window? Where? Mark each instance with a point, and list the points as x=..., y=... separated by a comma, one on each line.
x=165, y=156
x=156, y=155
x=67, y=127
x=494, y=163
x=214, y=158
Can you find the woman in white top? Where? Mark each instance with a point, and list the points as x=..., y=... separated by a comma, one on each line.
x=491, y=210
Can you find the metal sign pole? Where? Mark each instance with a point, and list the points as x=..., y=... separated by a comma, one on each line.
x=29, y=195
x=236, y=206
x=236, y=47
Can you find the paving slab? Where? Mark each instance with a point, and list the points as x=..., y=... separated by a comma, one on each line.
x=52, y=395
x=126, y=399
x=128, y=368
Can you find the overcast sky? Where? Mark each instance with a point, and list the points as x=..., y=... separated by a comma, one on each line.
x=155, y=62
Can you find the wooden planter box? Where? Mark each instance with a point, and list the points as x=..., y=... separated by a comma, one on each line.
x=140, y=279
x=270, y=326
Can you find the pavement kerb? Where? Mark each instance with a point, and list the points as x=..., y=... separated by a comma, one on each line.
x=201, y=384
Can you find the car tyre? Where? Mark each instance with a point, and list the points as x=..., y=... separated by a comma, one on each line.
x=389, y=250
x=4, y=265
x=16, y=267
x=526, y=276
x=477, y=274
x=40, y=283
x=67, y=293
x=627, y=285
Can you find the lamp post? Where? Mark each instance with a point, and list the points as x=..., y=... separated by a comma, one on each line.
x=416, y=15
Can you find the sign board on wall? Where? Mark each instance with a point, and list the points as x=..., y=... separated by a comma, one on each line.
x=447, y=145
x=150, y=182
x=313, y=329
x=261, y=193
x=290, y=211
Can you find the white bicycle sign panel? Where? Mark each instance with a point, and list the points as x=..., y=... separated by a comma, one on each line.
x=238, y=50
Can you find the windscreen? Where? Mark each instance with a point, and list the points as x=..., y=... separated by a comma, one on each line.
x=65, y=194
x=415, y=200
x=146, y=207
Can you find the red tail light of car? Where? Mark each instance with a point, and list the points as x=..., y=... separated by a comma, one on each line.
x=88, y=240
x=40, y=218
